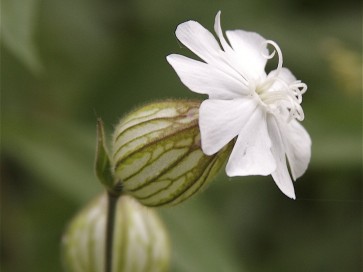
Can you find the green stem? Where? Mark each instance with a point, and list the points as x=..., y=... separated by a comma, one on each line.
x=110, y=226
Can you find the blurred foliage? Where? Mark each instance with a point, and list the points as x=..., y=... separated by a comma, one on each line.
x=17, y=20
x=64, y=63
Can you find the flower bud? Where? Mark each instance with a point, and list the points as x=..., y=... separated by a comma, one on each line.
x=140, y=239
x=157, y=153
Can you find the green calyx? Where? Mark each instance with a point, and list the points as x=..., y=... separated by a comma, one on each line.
x=157, y=154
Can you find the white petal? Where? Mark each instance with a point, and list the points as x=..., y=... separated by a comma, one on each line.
x=199, y=40
x=251, y=50
x=221, y=120
x=251, y=154
x=298, y=147
x=281, y=176
x=205, y=79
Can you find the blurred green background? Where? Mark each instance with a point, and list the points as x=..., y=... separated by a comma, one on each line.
x=63, y=63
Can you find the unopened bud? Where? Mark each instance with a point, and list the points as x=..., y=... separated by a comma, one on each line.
x=140, y=239
x=157, y=153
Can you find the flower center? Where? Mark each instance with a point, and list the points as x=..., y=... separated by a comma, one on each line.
x=279, y=96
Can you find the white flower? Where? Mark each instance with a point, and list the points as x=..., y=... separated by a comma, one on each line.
x=261, y=109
